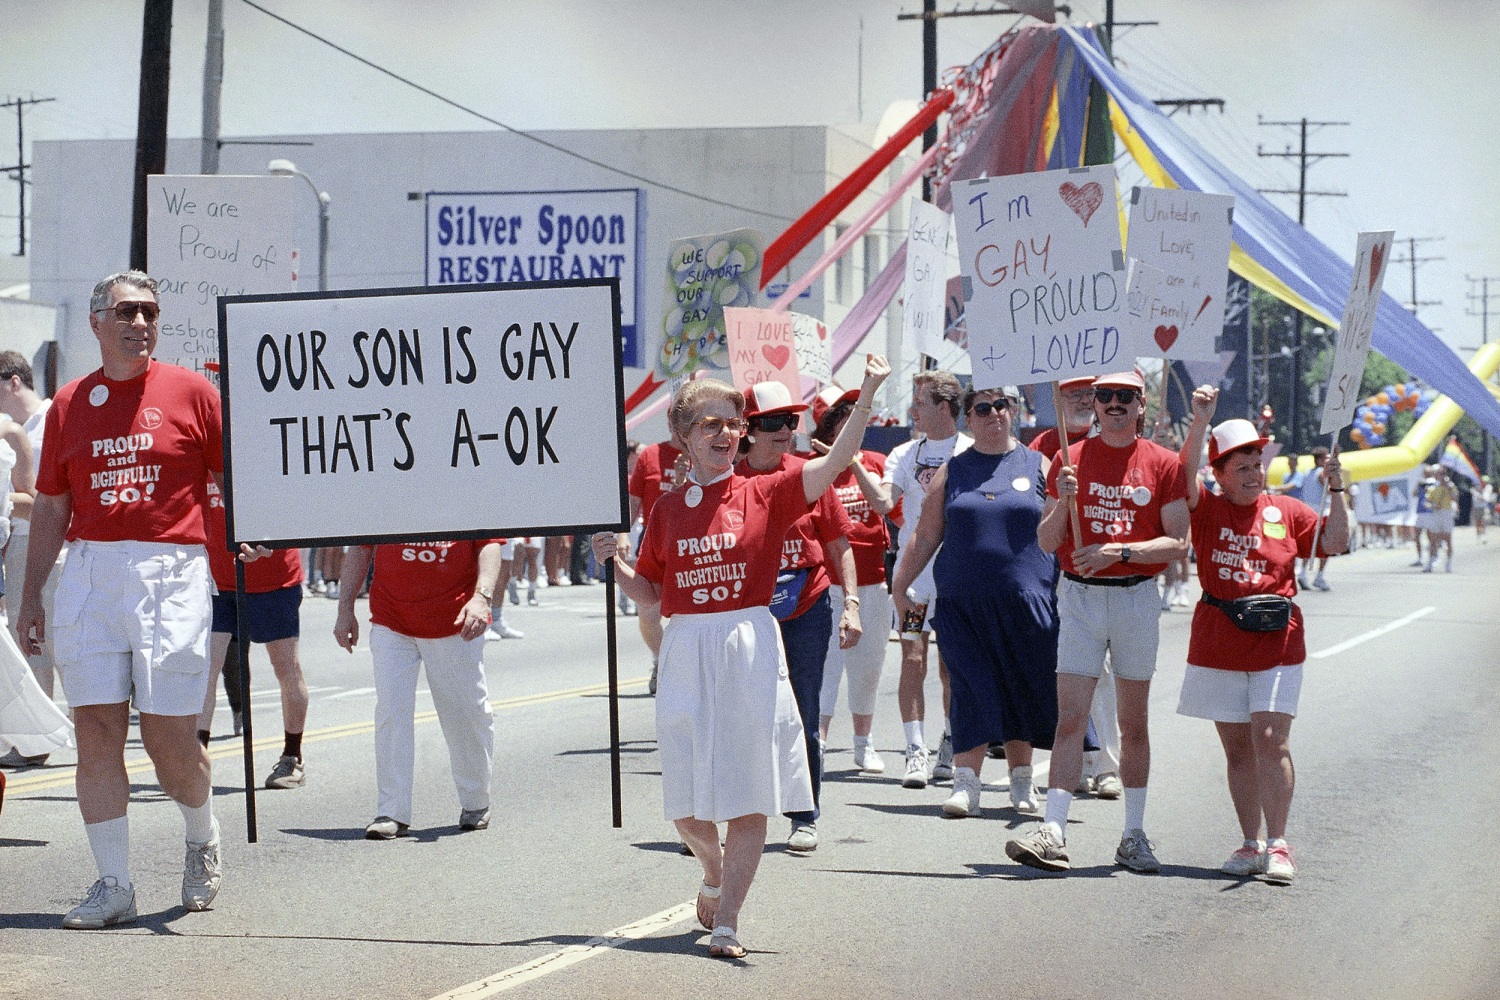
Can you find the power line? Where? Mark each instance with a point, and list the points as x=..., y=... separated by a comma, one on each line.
x=1411, y=258
x=1305, y=159
x=1483, y=297
x=19, y=170
x=509, y=128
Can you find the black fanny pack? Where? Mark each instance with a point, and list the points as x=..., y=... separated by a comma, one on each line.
x=1256, y=613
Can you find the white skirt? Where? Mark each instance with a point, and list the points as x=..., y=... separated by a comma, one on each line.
x=29, y=721
x=727, y=724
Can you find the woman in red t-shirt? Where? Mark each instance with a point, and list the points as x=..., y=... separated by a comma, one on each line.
x=727, y=726
x=1246, y=680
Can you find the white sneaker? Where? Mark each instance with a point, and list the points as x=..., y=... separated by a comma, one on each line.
x=511, y=593
x=499, y=630
x=201, y=875
x=1448, y=566
x=1166, y=598
x=1303, y=582
x=1180, y=596
x=943, y=769
x=868, y=759
x=1022, y=792
x=107, y=903
x=803, y=838
x=1428, y=567
x=965, y=798
x=917, y=774
x=1321, y=583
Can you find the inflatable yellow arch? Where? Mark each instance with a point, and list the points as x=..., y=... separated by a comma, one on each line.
x=1419, y=442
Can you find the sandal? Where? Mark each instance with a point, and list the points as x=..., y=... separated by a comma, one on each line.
x=724, y=944
x=706, y=891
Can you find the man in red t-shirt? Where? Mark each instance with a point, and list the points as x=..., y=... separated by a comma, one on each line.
x=273, y=602
x=1134, y=520
x=124, y=477
x=659, y=468
x=429, y=606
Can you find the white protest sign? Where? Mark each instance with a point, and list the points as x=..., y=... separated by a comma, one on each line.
x=209, y=235
x=1355, y=329
x=1044, y=275
x=482, y=237
x=704, y=275
x=762, y=348
x=923, y=300
x=423, y=413
x=1387, y=501
x=1187, y=234
x=814, y=348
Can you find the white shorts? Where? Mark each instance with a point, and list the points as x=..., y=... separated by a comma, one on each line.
x=1232, y=695
x=923, y=590
x=1093, y=619
x=510, y=549
x=1439, y=522
x=131, y=623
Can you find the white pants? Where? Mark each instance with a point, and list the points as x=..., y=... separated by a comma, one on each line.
x=864, y=662
x=455, y=676
x=1105, y=760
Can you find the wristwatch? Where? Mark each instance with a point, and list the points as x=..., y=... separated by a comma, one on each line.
x=1125, y=553
x=488, y=595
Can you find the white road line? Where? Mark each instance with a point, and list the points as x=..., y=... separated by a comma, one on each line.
x=571, y=955
x=354, y=693
x=1364, y=637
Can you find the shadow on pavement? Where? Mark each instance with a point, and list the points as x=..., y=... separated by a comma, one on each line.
x=626, y=746
x=17, y=842
x=348, y=833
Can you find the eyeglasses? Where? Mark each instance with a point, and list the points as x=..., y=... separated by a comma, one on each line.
x=125, y=312
x=986, y=407
x=1124, y=396
x=714, y=426
x=776, y=422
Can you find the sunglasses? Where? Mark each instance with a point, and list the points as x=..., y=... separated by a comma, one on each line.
x=1123, y=396
x=714, y=426
x=986, y=407
x=125, y=312
x=776, y=422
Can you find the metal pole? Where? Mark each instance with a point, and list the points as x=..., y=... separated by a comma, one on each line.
x=612, y=652
x=323, y=202
x=151, y=117
x=213, y=84
x=21, y=178
x=929, y=79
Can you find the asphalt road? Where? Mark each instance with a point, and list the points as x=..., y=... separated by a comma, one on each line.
x=1393, y=826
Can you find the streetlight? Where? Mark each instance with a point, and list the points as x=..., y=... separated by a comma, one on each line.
x=286, y=168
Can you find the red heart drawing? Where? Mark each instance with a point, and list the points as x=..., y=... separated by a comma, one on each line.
x=777, y=355
x=1377, y=256
x=1082, y=200
x=1166, y=336
x=822, y=332
x=1384, y=489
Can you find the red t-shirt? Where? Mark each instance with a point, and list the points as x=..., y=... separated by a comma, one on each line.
x=1121, y=492
x=1243, y=551
x=135, y=455
x=722, y=555
x=420, y=587
x=1046, y=441
x=803, y=547
x=277, y=571
x=651, y=479
x=868, y=537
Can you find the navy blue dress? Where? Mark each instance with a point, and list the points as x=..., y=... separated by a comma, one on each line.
x=996, y=601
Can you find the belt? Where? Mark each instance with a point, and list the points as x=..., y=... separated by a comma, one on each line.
x=1106, y=581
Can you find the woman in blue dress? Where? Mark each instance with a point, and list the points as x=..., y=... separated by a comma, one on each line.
x=996, y=609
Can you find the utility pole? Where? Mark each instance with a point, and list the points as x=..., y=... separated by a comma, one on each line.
x=1176, y=104
x=1305, y=160
x=213, y=85
x=151, y=116
x=1411, y=258
x=19, y=170
x=1482, y=299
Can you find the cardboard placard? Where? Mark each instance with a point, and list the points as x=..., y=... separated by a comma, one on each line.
x=704, y=275
x=423, y=413
x=762, y=348
x=1387, y=501
x=1044, y=276
x=1187, y=235
x=1371, y=254
x=923, y=291
x=814, y=349
x=212, y=235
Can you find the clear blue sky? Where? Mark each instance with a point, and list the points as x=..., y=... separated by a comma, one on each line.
x=1414, y=79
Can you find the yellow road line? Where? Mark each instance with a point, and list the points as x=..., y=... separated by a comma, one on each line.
x=60, y=777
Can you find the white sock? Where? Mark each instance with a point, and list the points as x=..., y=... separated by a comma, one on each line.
x=202, y=828
x=110, y=842
x=862, y=741
x=913, y=732
x=1276, y=842
x=1058, y=804
x=1254, y=845
x=1135, y=809
x=948, y=726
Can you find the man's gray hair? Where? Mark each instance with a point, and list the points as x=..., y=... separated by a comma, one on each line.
x=135, y=279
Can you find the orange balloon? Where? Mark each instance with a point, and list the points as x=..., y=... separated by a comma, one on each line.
x=1399, y=391
x=1382, y=398
x=1379, y=428
x=1357, y=434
